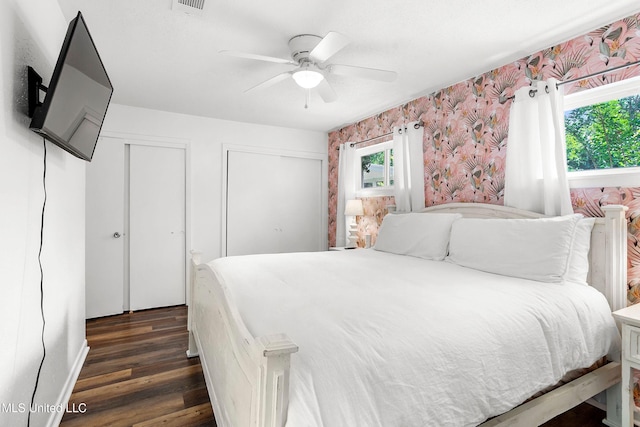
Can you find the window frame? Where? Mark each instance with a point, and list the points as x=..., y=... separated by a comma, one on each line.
x=387, y=190
x=615, y=177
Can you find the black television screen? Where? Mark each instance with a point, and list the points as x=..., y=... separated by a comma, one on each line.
x=76, y=100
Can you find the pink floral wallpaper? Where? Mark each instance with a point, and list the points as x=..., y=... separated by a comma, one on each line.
x=466, y=131
x=375, y=209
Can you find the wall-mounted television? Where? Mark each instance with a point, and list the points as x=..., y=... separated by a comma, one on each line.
x=78, y=95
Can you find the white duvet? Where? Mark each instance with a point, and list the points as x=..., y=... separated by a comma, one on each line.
x=389, y=340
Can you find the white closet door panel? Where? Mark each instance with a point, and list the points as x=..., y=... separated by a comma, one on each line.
x=301, y=200
x=252, y=212
x=104, y=217
x=157, y=224
x=274, y=203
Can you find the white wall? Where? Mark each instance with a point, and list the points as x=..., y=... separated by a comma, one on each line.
x=206, y=137
x=31, y=33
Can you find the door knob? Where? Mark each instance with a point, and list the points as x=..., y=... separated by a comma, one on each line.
x=116, y=235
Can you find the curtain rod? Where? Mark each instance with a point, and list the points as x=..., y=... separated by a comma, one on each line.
x=415, y=126
x=353, y=144
x=588, y=76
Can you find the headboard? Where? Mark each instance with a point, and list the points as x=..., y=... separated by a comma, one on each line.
x=608, y=253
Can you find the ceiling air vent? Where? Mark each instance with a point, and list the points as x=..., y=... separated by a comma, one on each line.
x=192, y=7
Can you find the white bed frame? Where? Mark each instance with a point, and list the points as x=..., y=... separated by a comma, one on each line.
x=248, y=377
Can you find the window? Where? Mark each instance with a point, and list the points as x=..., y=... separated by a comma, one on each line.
x=375, y=164
x=602, y=127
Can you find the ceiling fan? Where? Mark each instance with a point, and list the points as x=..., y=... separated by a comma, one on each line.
x=309, y=54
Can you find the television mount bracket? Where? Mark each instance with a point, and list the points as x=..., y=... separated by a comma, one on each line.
x=35, y=86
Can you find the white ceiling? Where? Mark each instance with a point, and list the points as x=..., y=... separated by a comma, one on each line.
x=166, y=60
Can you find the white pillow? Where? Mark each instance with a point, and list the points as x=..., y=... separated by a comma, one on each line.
x=535, y=249
x=423, y=235
x=579, y=259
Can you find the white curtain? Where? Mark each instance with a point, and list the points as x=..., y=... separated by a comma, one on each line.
x=408, y=167
x=536, y=164
x=346, y=189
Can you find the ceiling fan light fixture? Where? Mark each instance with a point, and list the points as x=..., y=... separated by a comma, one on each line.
x=307, y=79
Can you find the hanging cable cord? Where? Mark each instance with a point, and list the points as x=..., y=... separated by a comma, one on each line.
x=532, y=92
x=44, y=348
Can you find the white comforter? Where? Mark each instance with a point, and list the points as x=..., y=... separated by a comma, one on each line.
x=389, y=340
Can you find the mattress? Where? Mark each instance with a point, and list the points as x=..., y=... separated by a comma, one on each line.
x=391, y=340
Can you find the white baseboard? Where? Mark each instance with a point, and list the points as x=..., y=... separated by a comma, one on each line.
x=65, y=394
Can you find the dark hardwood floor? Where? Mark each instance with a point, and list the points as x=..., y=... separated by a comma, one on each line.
x=137, y=374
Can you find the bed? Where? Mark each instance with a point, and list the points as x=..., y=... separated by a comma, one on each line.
x=408, y=335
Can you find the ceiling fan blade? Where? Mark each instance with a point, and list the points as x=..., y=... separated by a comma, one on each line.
x=363, y=73
x=328, y=46
x=270, y=82
x=326, y=92
x=257, y=57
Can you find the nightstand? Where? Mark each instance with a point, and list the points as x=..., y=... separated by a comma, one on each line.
x=629, y=317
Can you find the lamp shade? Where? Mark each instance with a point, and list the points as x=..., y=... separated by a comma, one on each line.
x=307, y=79
x=354, y=207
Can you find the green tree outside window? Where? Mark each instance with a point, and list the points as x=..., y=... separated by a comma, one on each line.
x=604, y=135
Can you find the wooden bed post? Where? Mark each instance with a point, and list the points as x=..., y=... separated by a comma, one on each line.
x=196, y=258
x=274, y=379
x=616, y=287
x=616, y=252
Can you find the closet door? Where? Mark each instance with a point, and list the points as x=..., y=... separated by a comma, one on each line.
x=104, y=262
x=157, y=227
x=253, y=221
x=301, y=204
x=273, y=203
